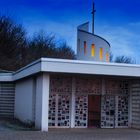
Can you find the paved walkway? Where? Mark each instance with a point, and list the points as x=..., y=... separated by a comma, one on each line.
x=73, y=134
x=3, y=127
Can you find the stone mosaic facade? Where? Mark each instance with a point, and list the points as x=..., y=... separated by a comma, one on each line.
x=114, y=101
x=122, y=111
x=135, y=104
x=88, y=86
x=84, y=87
x=64, y=110
x=59, y=101
x=114, y=108
x=52, y=109
x=108, y=112
x=81, y=110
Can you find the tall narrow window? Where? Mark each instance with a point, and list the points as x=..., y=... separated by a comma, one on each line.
x=78, y=45
x=107, y=57
x=92, y=50
x=100, y=53
x=85, y=46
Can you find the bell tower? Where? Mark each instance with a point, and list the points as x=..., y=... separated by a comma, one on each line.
x=91, y=47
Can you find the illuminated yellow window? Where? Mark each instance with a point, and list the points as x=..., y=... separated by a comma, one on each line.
x=79, y=45
x=92, y=50
x=101, y=53
x=85, y=46
x=107, y=57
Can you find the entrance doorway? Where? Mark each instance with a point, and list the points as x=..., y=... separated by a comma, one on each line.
x=94, y=110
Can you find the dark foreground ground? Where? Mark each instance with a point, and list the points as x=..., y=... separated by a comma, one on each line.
x=72, y=134
x=14, y=130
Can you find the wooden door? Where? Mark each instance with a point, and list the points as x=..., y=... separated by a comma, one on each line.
x=94, y=110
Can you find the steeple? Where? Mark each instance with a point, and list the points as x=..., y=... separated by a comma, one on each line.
x=93, y=15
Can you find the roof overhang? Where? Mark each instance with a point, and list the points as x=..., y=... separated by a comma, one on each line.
x=78, y=67
x=6, y=77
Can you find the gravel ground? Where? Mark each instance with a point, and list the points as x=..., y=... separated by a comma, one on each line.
x=73, y=134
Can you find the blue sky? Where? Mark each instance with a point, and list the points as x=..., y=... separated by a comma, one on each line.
x=118, y=21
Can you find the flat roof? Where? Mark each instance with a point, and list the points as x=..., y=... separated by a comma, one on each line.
x=77, y=67
x=5, y=71
x=49, y=65
x=5, y=77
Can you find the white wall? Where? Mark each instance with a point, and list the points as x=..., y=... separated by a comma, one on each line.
x=84, y=27
x=91, y=39
x=42, y=102
x=24, y=100
x=38, y=111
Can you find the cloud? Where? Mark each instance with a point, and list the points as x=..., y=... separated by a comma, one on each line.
x=124, y=40
x=62, y=31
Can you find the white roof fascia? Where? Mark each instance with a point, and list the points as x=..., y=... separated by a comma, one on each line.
x=28, y=70
x=77, y=67
x=6, y=77
x=86, y=67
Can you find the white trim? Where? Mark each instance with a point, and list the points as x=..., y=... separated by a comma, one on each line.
x=83, y=67
x=72, y=117
x=122, y=127
x=61, y=127
x=29, y=70
x=73, y=66
x=85, y=62
x=4, y=77
x=81, y=127
x=45, y=102
x=42, y=102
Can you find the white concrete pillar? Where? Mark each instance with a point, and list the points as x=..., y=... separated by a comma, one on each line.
x=42, y=102
x=72, y=125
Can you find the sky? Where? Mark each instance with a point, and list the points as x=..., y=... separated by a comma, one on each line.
x=118, y=21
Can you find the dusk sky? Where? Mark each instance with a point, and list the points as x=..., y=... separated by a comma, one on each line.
x=118, y=21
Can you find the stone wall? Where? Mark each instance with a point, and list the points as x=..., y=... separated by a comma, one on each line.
x=135, y=104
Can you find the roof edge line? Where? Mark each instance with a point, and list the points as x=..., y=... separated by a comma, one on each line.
x=83, y=24
x=29, y=65
x=95, y=35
